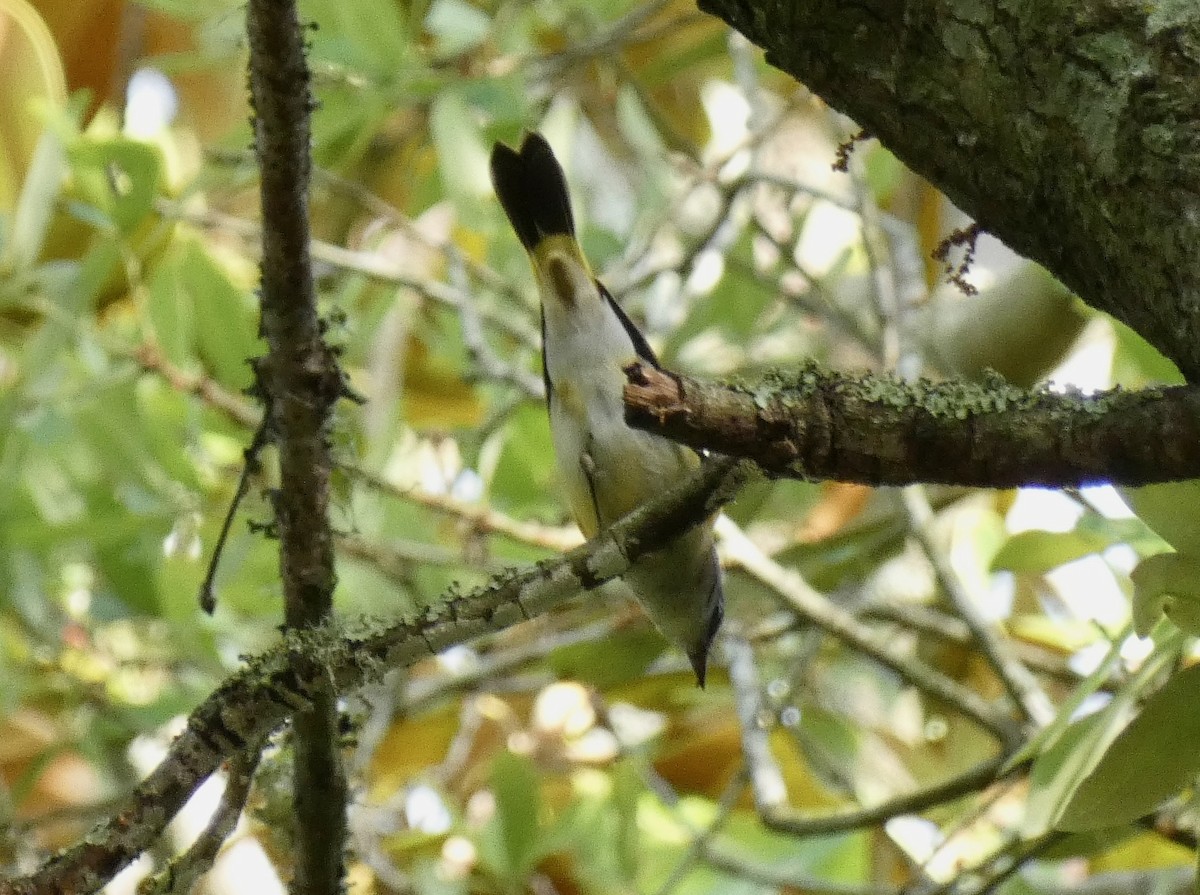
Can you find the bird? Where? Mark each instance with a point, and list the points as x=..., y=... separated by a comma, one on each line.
x=608, y=468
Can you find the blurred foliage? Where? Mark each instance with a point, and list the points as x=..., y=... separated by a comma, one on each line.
x=570, y=753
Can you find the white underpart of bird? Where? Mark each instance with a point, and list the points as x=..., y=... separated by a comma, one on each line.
x=608, y=467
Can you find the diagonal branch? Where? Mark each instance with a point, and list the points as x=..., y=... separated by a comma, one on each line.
x=879, y=431
x=259, y=699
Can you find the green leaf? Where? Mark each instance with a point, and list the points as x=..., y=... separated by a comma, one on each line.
x=170, y=310
x=370, y=36
x=1167, y=584
x=524, y=479
x=224, y=318
x=611, y=660
x=462, y=154
x=1058, y=772
x=1137, y=363
x=121, y=177
x=1151, y=760
x=1170, y=509
x=515, y=784
x=456, y=26
x=1040, y=551
x=1050, y=734
x=35, y=207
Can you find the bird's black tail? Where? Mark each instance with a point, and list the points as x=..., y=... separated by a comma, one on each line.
x=532, y=189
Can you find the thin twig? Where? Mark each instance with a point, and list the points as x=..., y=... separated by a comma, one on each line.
x=699, y=845
x=477, y=516
x=766, y=778
x=792, y=588
x=490, y=366
x=1024, y=688
x=1003, y=863
x=421, y=691
x=185, y=871
x=370, y=264
x=207, y=389
x=395, y=558
x=730, y=861
x=250, y=468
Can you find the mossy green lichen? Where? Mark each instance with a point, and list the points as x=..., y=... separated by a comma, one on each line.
x=951, y=399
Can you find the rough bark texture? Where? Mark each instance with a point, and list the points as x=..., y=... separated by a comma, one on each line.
x=1069, y=128
x=257, y=700
x=301, y=381
x=879, y=431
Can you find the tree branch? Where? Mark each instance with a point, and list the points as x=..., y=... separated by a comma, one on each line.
x=878, y=431
x=184, y=872
x=254, y=702
x=301, y=382
x=1069, y=128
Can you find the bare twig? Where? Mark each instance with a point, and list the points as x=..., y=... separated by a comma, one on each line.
x=250, y=467
x=701, y=839
x=370, y=264
x=1002, y=864
x=395, y=558
x=477, y=516
x=490, y=366
x=1024, y=688
x=211, y=392
x=766, y=778
x=185, y=871
x=729, y=860
x=814, y=607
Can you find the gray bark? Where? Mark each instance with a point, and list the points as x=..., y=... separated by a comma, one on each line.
x=1069, y=128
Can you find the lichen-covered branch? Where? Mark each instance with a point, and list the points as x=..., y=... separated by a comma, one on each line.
x=256, y=701
x=879, y=431
x=301, y=382
x=1068, y=128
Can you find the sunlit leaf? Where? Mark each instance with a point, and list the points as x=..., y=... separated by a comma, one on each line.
x=1151, y=760
x=1050, y=734
x=515, y=784
x=118, y=176
x=35, y=207
x=1170, y=509
x=1167, y=584
x=1041, y=551
x=31, y=75
x=224, y=315
x=1058, y=772
x=456, y=25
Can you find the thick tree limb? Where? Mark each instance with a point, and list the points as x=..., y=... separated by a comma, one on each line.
x=257, y=700
x=878, y=431
x=301, y=382
x=1069, y=128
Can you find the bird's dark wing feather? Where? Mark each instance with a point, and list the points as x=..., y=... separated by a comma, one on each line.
x=640, y=345
x=545, y=366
